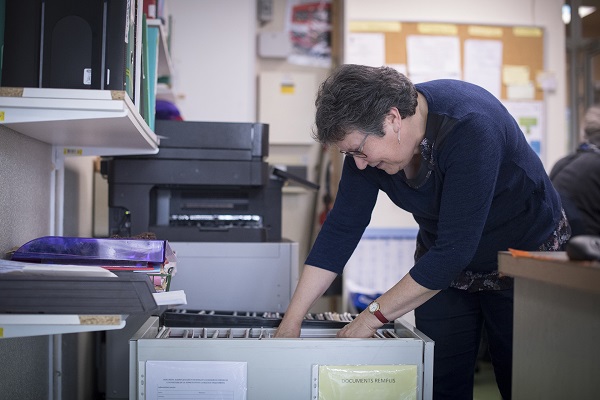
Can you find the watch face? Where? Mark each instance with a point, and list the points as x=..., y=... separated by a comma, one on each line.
x=373, y=307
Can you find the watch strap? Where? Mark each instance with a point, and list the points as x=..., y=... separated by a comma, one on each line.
x=380, y=317
x=377, y=313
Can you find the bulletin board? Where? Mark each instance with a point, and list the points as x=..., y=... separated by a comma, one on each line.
x=522, y=47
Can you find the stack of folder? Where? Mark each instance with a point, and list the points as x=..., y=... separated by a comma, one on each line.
x=153, y=257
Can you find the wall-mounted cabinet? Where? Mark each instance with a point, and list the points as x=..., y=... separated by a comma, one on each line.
x=80, y=97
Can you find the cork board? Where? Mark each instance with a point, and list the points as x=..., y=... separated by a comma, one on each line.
x=522, y=47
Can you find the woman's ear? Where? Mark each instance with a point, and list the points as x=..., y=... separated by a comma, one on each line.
x=395, y=120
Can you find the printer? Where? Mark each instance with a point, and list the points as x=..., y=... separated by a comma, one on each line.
x=212, y=195
x=209, y=182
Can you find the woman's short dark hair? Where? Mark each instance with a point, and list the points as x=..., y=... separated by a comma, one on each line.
x=358, y=98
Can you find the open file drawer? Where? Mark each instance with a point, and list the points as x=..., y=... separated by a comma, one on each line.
x=274, y=368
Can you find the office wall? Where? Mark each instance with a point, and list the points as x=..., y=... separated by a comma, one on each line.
x=25, y=170
x=26, y=191
x=213, y=49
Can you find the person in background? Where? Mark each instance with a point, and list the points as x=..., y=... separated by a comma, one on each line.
x=577, y=178
x=448, y=152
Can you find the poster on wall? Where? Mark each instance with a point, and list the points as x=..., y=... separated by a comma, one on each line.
x=483, y=64
x=366, y=48
x=309, y=27
x=529, y=115
x=433, y=57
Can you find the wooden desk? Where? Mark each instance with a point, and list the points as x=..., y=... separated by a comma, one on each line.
x=556, y=352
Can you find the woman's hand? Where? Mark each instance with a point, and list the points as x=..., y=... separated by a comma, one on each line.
x=364, y=326
x=403, y=297
x=287, y=331
x=312, y=284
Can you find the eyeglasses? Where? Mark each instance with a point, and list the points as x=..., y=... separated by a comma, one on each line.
x=357, y=153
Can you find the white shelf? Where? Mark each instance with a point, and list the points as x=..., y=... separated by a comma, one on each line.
x=165, y=65
x=83, y=122
x=20, y=325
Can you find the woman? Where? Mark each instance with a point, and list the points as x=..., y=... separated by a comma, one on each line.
x=449, y=153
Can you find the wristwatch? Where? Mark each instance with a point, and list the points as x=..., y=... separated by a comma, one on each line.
x=374, y=309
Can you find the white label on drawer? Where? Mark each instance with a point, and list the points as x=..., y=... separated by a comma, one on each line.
x=87, y=76
x=213, y=379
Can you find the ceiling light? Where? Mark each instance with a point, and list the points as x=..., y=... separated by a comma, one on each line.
x=584, y=11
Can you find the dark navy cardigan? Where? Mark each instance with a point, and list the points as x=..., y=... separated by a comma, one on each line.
x=481, y=189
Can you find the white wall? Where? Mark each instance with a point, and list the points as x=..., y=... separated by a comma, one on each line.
x=26, y=188
x=213, y=47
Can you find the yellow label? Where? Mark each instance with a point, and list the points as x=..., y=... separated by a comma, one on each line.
x=358, y=382
x=72, y=152
x=375, y=26
x=438, y=29
x=1, y=332
x=524, y=31
x=287, y=89
x=485, y=31
x=1, y=115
